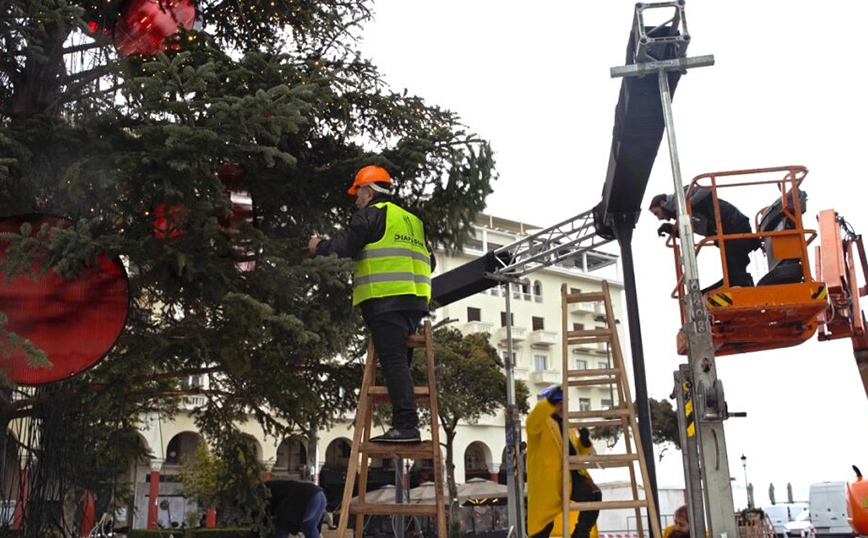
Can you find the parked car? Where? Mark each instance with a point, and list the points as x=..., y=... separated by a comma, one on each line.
x=800, y=526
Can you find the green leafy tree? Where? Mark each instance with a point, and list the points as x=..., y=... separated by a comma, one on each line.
x=471, y=383
x=278, y=88
x=664, y=426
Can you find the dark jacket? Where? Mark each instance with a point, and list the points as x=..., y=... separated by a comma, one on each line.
x=368, y=225
x=702, y=212
x=289, y=500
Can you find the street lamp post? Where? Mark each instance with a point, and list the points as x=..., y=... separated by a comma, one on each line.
x=746, y=490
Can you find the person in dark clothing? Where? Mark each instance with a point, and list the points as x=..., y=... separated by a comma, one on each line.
x=391, y=284
x=733, y=221
x=295, y=507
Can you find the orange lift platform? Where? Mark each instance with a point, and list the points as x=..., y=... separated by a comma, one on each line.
x=788, y=305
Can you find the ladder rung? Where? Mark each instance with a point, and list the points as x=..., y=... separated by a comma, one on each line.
x=379, y=392
x=591, y=372
x=589, y=333
x=588, y=340
x=416, y=341
x=599, y=413
x=600, y=423
x=608, y=380
x=608, y=505
x=394, y=509
x=425, y=449
x=593, y=297
x=605, y=460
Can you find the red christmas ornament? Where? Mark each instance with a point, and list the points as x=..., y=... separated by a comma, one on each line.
x=145, y=25
x=169, y=220
x=75, y=322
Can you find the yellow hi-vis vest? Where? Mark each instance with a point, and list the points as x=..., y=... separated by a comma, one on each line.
x=397, y=264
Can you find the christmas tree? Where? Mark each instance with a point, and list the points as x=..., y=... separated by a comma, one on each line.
x=202, y=144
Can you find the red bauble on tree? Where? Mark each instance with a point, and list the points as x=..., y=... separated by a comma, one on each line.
x=145, y=25
x=75, y=322
x=170, y=220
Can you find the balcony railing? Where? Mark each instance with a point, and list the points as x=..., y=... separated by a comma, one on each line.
x=545, y=377
x=473, y=327
x=519, y=334
x=543, y=338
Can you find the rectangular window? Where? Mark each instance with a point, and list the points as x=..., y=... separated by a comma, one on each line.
x=503, y=319
x=584, y=404
x=504, y=355
x=602, y=365
x=538, y=324
x=540, y=362
x=578, y=326
x=581, y=364
x=474, y=314
x=575, y=290
x=605, y=404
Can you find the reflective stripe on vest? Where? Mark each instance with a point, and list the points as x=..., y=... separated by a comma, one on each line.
x=397, y=264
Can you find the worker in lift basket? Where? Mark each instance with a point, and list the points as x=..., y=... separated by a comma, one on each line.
x=733, y=221
x=391, y=284
x=544, y=469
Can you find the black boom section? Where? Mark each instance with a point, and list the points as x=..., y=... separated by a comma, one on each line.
x=464, y=281
x=638, y=130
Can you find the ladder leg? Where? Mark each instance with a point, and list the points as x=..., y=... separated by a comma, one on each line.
x=360, y=428
x=435, y=432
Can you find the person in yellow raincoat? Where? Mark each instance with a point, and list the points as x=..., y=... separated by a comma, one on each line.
x=544, y=482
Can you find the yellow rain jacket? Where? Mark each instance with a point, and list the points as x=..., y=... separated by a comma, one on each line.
x=544, y=501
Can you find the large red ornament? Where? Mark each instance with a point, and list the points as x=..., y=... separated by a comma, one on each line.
x=75, y=322
x=145, y=25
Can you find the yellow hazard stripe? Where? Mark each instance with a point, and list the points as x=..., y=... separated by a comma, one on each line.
x=821, y=293
x=688, y=411
x=717, y=300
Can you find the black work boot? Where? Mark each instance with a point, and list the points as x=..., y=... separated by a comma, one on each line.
x=398, y=436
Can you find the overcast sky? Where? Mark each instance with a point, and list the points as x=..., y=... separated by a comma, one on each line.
x=787, y=88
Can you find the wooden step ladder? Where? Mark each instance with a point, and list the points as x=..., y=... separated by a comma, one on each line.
x=363, y=449
x=622, y=415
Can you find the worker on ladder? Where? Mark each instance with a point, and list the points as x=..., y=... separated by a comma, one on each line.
x=544, y=468
x=391, y=283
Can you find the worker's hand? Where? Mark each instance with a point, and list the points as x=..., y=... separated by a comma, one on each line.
x=585, y=437
x=666, y=228
x=312, y=244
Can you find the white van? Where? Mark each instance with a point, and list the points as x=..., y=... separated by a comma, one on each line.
x=828, y=506
x=782, y=513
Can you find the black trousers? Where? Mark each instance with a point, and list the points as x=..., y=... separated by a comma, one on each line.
x=389, y=332
x=584, y=490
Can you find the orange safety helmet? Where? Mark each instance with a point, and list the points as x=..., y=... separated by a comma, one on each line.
x=369, y=174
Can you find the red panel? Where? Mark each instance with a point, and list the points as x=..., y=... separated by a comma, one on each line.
x=76, y=322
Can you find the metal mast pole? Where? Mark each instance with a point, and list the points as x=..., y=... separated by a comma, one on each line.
x=514, y=468
x=710, y=406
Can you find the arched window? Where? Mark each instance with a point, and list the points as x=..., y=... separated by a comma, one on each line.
x=537, y=291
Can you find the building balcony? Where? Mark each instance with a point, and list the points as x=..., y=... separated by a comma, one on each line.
x=474, y=327
x=193, y=402
x=545, y=377
x=543, y=338
x=520, y=373
x=583, y=308
x=519, y=334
